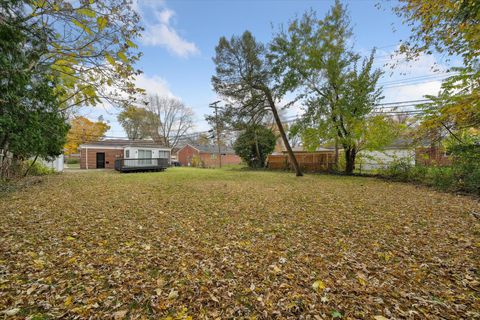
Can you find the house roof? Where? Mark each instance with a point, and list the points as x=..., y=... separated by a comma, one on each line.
x=122, y=143
x=211, y=148
x=400, y=143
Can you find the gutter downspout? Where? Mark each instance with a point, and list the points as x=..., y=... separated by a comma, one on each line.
x=86, y=158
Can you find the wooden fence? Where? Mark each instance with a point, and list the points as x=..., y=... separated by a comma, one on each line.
x=308, y=161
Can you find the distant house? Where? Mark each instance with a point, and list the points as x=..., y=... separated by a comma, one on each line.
x=400, y=150
x=206, y=156
x=323, y=158
x=404, y=150
x=102, y=154
x=433, y=155
x=422, y=153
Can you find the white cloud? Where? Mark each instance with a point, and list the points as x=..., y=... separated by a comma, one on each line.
x=151, y=85
x=159, y=30
x=411, y=91
x=154, y=85
x=166, y=36
x=165, y=15
x=412, y=80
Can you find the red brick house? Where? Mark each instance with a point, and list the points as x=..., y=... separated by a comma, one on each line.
x=432, y=156
x=102, y=154
x=206, y=156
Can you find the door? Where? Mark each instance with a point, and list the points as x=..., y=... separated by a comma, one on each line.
x=100, y=160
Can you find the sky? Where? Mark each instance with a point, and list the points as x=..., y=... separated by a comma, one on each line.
x=180, y=38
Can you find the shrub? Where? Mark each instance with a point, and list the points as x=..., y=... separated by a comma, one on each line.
x=73, y=161
x=466, y=167
x=197, y=162
x=400, y=169
x=38, y=169
x=254, y=145
x=463, y=175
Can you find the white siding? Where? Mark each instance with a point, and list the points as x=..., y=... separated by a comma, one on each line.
x=156, y=152
x=374, y=160
x=56, y=164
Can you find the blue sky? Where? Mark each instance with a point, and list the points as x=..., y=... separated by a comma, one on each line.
x=180, y=37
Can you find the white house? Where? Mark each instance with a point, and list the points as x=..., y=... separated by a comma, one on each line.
x=381, y=159
x=103, y=154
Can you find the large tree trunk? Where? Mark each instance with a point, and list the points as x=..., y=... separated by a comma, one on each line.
x=30, y=166
x=293, y=160
x=350, y=154
x=259, y=161
x=4, y=158
x=336, y=154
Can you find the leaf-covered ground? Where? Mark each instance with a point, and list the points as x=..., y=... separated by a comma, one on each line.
x=224, y=244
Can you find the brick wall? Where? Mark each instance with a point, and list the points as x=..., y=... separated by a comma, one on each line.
x=227, y=159
x=432, y=156
x=110, y=156
x=186, y=154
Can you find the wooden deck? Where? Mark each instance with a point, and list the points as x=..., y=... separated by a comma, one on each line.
x=143, y=164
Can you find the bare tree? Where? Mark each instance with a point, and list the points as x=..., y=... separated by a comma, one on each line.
x=171, y=119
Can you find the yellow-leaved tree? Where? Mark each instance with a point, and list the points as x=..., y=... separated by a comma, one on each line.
x=83, y=130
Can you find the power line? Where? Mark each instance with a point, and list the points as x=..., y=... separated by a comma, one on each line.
x=403, y=102
x=380, y=108
x=415, y=79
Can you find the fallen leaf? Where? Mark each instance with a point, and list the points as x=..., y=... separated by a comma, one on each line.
x=120, y=314
x=318, y=285
x=173, y=294
x=68, y=301
x=11, y=312
x=361, y=279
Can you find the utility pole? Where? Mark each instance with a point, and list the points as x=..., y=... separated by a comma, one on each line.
x=215, y=106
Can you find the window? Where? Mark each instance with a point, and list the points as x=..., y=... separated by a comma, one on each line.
x=213, y=156
x=146, y=155
x=127, y=153
x=163, y=154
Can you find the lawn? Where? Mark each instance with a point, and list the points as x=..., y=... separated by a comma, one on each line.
x=222, y=244
x=72, y=166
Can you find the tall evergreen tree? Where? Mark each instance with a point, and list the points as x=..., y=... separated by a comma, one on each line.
x=244, y=75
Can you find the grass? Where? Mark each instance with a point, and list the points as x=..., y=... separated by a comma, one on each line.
x=219, y=244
